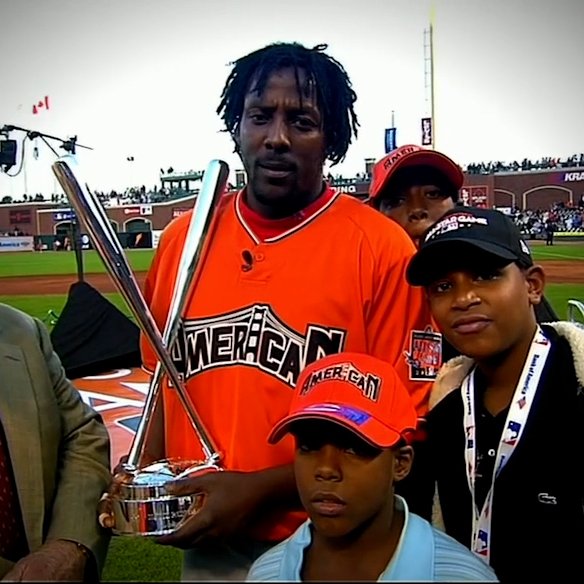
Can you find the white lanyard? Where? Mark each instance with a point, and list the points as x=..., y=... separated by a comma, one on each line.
x=513, y=429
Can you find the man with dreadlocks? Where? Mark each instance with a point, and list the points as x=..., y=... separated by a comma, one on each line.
x=297, y=271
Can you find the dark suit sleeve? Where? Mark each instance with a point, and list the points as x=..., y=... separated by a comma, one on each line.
x=84, y=462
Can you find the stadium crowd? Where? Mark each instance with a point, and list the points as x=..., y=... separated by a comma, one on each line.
x=140, y=195
x=13, y=232
x=560, y=218
x=546, y=163
x=131, y=196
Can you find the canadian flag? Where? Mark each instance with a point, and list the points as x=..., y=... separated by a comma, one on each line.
x=40, y=105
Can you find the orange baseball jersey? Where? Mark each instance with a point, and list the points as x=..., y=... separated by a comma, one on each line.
x=263, y=310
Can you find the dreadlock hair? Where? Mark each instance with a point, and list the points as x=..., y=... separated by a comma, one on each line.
x=334, y=94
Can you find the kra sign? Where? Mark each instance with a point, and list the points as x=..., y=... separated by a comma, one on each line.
x=573, y=176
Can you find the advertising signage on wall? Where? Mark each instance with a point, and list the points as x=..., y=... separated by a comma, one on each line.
x=137, y=210
x=349, y=189
x=178, y=211
x=573, y=176
x=17, y=216
x=475, y=196
x=25, y=243
x=64, y=215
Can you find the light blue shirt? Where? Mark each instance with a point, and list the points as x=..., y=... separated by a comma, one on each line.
x=423, y=553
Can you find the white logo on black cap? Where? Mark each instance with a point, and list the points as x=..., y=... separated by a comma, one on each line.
x=454, y=222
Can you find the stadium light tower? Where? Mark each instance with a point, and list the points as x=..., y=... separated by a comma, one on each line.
x=429, y=139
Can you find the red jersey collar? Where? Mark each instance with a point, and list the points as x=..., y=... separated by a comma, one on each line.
x=262, y=229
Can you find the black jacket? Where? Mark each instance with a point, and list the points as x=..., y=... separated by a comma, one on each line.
x=538, y=516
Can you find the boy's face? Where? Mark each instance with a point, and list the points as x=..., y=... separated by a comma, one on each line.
x=484, y=308
x=343, y=482
x=416, y=198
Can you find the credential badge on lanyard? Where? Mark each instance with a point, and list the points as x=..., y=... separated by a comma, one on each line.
x=513, y=429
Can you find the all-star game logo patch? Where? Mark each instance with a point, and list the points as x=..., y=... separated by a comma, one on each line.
x=118, y=396
x=424, y=356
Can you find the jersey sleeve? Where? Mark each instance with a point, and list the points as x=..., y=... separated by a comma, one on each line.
x=396, y=311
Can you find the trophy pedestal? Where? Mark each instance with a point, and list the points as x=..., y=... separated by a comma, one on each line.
x=142, y=507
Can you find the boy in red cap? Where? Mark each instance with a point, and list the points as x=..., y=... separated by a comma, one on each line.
x=505, y=428
x=351, y=418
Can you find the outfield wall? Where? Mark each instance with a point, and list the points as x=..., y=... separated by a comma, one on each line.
x=526, y=190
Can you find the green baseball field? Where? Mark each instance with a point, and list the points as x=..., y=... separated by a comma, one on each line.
x=37, y=283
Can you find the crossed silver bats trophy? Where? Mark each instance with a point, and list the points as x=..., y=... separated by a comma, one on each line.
x=142, y=505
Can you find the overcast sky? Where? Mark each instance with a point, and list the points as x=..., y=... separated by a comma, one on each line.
x=142, y=78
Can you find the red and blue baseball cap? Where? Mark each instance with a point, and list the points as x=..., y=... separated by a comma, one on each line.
x=356, y=391
x=486, y=232
x=408, y=156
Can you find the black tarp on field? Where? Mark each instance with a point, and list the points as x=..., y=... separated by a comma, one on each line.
x=92, y=336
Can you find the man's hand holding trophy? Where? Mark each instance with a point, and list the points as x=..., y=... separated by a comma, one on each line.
x=161, y=498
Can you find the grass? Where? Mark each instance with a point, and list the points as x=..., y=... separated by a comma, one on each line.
x=39, y=306
x=141, y=560
x=559, y=294
x=59, y=262
x=52, y=263
x=558, y=252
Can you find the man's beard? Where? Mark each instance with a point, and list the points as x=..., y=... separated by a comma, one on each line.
x=284, y=203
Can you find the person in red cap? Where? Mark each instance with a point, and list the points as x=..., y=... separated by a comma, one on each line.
x=351, y=418
x=415, y=186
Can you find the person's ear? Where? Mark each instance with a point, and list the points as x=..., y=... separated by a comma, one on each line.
x=402, y=462
x=535, y=278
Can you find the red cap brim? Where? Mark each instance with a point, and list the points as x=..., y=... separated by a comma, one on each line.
x=371, y=431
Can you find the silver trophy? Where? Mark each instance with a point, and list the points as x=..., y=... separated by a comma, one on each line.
x=142, y=506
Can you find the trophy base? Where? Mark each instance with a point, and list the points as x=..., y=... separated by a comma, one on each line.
x=142, y=507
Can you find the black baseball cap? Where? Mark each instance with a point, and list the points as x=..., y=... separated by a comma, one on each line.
x=490, y=232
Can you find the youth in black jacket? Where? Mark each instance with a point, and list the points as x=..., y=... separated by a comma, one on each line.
x=537, y=514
